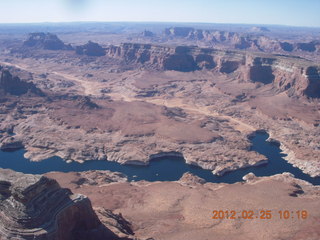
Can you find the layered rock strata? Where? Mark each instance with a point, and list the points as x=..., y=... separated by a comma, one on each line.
x=236, y=40
x=297, y=76
x=46, y=41
x=90, y=49
x=36, y=207
x=13, y=85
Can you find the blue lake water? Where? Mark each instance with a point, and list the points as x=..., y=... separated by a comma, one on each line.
x=161, y=169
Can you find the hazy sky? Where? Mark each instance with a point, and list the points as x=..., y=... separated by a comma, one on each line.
x=284, y=12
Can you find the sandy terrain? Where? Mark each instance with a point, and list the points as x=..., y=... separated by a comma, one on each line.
x=184, y=209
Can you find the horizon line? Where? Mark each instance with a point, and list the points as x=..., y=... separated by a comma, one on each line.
x=159, y=22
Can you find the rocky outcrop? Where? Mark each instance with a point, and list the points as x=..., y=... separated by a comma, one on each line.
x=214, y=37
x=294, y=75
x=188, y=179
x=15, y=86
x=313, y=76
x=84, y=102
x=236, y=40
x=309, y=46
x=116, y=222
x=297, y=77
x=99, y=178
x=90, y=49
x=36, y=207
x=10, y=144
x=261, y=74
x=229, y=66
x=205, y=61
x=180, y=61
x=139, y=53
x=47, y=41
x=288, y=47
x=180, y=58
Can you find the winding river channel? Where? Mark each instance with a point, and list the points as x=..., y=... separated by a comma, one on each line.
x=162, y=169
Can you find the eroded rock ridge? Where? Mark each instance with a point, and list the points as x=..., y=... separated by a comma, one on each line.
x=36, y=207
x=300, y=77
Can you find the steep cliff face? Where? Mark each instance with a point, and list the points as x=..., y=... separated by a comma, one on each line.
x=90, y=49
x=297, y=77
x=309, y=46
x=294, y=75
x=36, y=207
x=15, y=86
x=261, y=74
x=181, y=58
x=47, y=41
x=181, y=61
x=259, y=69
x=288, y=47
x=229, y=66
x=313, y=86
x=139, y=53
x=205, y=61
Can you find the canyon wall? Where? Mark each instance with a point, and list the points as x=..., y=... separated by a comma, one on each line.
x=13, y=85
x=90, y=49
x=47, y=41
x=36, y=207
x=297, y=76
x=236, y=40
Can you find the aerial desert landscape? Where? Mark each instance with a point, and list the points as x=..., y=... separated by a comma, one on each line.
x=235, y=106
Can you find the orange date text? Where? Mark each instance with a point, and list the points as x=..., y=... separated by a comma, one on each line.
x=260, y=214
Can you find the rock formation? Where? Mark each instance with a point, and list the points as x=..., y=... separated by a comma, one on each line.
x=10, y=144
x=237, y=40
x=84, y=102
x=15, y=86
x=116, y=222
x=288, y=47
x=90, y=49
x=313, y=75
x=296, y=75
x=308, y=46
x=228, y=66
x=98, y=178
x=36, y=207
x=180, y=61
x=189, y=179
x=47, y=41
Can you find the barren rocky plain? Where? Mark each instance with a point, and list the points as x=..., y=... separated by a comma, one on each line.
x=131, y=95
